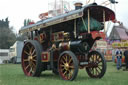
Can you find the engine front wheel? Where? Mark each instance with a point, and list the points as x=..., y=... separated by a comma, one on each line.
x=68, y=65
x=97, y=65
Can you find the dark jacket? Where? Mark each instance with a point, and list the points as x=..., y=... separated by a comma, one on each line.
x=126, y=53
x=126, y=56
x=119, y=54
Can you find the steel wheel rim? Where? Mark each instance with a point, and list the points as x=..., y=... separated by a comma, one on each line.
x=97, y=67
x=66, y=67
x=29, y=59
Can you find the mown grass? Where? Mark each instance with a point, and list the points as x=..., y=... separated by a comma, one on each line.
x=11, y=74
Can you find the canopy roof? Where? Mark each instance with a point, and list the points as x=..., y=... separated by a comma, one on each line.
x=96, y=11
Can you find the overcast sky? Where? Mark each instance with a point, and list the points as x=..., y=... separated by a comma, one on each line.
x=18, y=10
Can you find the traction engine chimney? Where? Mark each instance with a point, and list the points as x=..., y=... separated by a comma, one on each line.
x=78, y=5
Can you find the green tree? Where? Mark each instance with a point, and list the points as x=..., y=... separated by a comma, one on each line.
x=27, y=21
x=7, y=36
x=25, y=24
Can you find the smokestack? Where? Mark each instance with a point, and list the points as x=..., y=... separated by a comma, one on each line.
x=78, y=5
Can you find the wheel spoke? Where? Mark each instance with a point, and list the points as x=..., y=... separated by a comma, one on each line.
x=69, y=75
x=27, y=67
x=63, y=58
x=94, y=58
x=33, y=51
x=34, y=60
x=62, y=62
x=99, y=68
x=97, y=56
x=93, y=71
x=26, y=52
x=97, y=71
x=25, y=60
x=34, y=56
x=72, y=67
x=33, y=67
x=99, y=60
x=65, y=72
x=30, y=71
x=62, y=65
x=100, y=64
x=66, y=59
x=70, y=59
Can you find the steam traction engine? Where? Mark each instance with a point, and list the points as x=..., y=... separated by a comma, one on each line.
x=64, y=43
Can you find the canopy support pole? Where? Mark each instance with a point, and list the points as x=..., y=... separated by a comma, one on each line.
x=104, y=21
x=83, y=22
x=88, y=21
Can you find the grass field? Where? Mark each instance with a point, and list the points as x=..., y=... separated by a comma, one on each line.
x=11, y=74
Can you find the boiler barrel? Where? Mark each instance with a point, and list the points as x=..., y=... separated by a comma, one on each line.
x=75, y=46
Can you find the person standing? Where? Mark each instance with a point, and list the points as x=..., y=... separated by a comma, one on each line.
x=126, y=58
x=119, y=58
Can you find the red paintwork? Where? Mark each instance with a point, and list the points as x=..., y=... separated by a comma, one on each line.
x=57, y=36
x=31, y=23
x=43, y=15
x=65, y=46
x=42, y=36
x=96, y=34
x=81, y=57
x=61, y=36
x=36, y=38
x=45, y=56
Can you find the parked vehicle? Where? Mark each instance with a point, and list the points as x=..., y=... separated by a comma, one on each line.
x=4, y=55
x=63, y=43
x=15, y=52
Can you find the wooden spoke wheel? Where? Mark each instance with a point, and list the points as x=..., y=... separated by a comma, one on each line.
x=31, y=58
x=67, y=65
x=97, y=65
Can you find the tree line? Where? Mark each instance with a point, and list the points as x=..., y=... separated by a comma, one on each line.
x=7, y=35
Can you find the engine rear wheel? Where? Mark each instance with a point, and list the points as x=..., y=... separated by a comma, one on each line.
x=31, y=58
x=67, y=65
x=97, y=65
